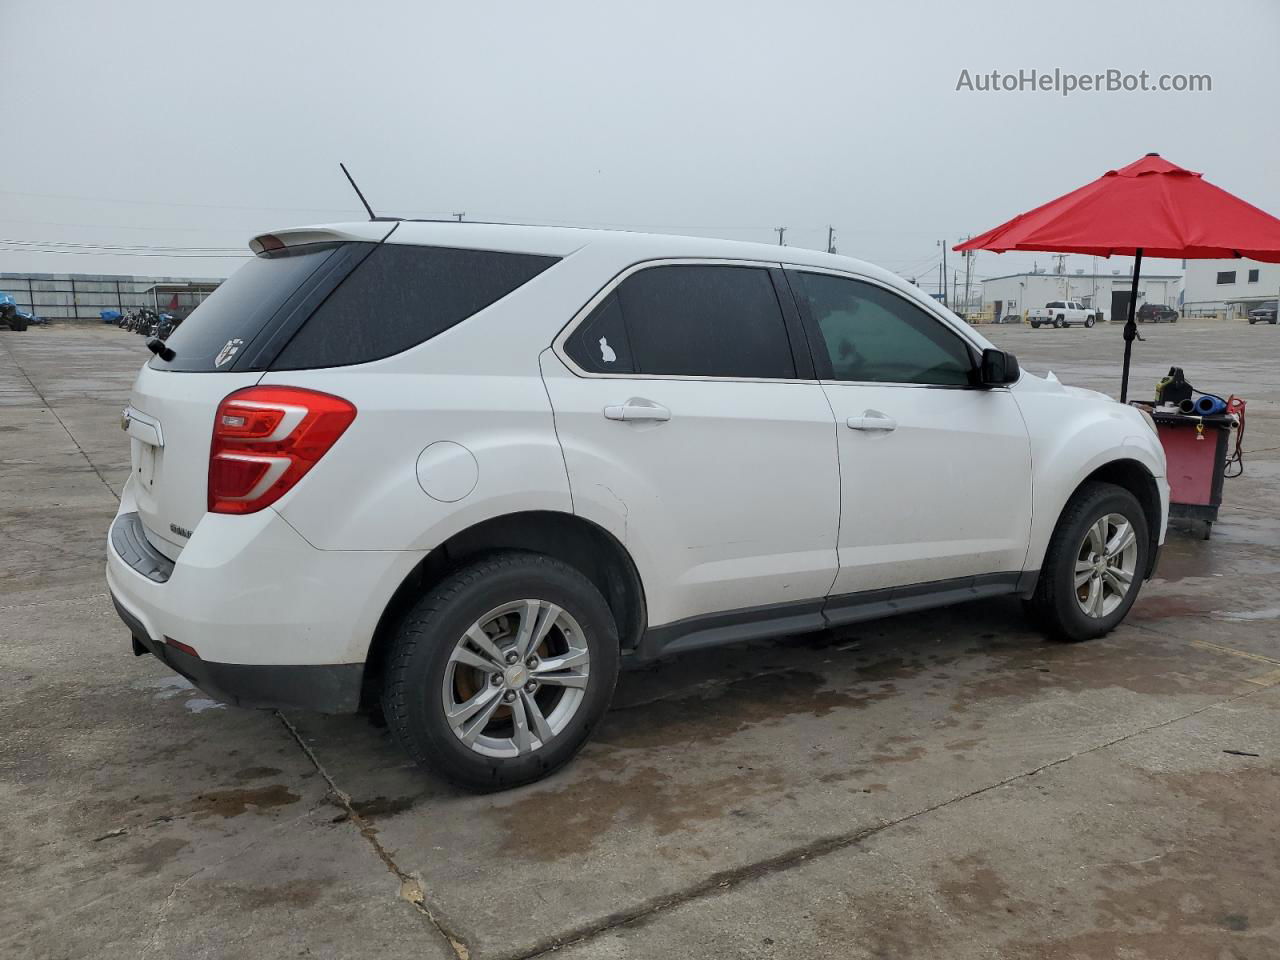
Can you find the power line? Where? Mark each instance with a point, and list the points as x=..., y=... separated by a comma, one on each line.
x=174, y=203
x=175, y=256
x=112, y=226
x=120, y=247
x=108, y=250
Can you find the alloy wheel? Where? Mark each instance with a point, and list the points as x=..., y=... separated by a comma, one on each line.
x=516, y=678
x=1106, y=565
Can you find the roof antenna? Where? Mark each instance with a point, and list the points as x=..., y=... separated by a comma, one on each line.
x=351, y=180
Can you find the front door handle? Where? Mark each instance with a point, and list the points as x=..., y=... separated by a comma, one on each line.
x=872, y=420
x=637, y=408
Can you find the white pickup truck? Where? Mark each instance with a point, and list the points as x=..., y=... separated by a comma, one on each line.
x=1063, y=313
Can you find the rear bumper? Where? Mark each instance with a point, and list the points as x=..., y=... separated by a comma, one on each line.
x=327, y=688
x=273, y=621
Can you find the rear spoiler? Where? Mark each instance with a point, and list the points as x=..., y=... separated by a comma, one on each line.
x=369, y=231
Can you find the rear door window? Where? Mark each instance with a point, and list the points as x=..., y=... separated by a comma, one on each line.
x=689, y=320
x=400, y=296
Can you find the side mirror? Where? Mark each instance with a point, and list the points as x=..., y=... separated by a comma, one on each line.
x=998, y=368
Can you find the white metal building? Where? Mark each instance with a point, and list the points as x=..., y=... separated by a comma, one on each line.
x=1017, y=293
x=1229, y=287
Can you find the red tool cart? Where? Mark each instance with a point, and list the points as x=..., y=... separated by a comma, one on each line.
x=1201, y=453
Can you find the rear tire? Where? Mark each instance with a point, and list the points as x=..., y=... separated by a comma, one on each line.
x=434, y=668
x=1035, y=324
x=1060, y=322
x=1063, y=605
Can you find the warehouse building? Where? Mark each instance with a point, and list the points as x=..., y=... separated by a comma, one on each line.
x=80, y=296
x=1229, y=288
x=1015, y=294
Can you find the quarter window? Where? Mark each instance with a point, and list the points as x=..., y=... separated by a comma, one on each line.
x=600, y=345
x=872, y=335
x=688, y=320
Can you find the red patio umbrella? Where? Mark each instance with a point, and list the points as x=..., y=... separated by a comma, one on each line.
x=1150, y=207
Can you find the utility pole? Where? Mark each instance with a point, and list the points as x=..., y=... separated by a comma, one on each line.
x=459, y=216
x=943, y=245
x=968, y=274
x=780, y=231
x=831, y=239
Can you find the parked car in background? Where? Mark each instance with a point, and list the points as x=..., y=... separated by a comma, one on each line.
x=1157, y=313
x=459, y=472
x=1263, y=313
x=1063, y=313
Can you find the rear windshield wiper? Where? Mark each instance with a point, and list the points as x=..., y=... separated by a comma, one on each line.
x=161, y=349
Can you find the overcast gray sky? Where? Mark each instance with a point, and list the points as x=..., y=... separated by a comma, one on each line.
x=179, y=125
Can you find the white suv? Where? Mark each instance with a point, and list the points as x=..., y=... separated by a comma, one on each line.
x=464, y=471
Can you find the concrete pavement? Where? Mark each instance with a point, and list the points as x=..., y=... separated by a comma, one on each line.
x=940, y=785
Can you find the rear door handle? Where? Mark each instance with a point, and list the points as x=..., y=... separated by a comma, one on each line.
x=871, y=420
x=637, y=408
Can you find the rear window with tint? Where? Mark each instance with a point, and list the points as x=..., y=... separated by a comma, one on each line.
x=229, y=319
x=401, y=296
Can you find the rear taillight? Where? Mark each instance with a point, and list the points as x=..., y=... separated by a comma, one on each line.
x=265, y=439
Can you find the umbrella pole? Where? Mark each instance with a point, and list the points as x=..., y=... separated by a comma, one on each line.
x=1131, y=326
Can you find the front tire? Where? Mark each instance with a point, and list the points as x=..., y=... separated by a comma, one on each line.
x=1094, y=566
x=499, y=675
x=1089, y=321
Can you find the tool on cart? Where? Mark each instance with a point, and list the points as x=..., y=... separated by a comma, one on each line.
x=1196, y=469
x=1173, y=388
